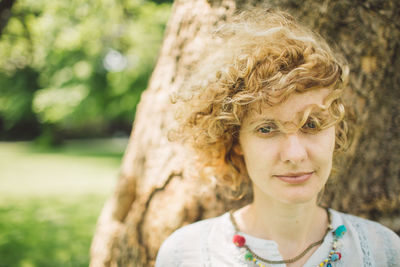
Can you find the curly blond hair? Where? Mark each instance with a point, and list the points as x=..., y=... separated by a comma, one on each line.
x=260, y=57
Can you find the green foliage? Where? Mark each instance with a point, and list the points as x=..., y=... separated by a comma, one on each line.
x=76, y=68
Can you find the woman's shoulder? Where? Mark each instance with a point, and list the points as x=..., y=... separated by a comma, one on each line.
x=376, y=240
x=188, y=242
x=366, y=225
x=196, y=229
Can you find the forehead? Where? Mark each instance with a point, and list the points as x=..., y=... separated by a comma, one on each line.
x=289, y=110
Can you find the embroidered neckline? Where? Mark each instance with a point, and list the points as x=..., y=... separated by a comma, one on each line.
x=250, y=255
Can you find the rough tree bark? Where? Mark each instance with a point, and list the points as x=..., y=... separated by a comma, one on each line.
x=155, y=195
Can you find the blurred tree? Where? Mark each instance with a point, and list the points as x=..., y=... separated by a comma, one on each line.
x=5, y=7
x=76, y=69
x=155, y=193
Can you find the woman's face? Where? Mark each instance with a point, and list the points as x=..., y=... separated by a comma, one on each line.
x=287, y=167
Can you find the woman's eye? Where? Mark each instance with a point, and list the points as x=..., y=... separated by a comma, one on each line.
x=311, y=125
x=266, y=129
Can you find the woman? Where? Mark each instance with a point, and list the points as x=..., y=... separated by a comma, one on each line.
x=272, y=117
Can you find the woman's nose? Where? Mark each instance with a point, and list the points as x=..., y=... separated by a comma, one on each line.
x=293, y=149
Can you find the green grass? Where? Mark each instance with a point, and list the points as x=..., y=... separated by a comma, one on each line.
x=48, y=231
x=50, y=200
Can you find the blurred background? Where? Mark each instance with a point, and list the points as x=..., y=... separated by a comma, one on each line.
x=71, y=75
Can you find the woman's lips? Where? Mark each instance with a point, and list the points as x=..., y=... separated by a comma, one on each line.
x=295, y=178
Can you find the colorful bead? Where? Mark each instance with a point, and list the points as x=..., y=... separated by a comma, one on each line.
x=239, y=240
x=321, y=264
x=248, y=256
x=335, y=257
x=329, y=265
x=340, y=231
x=340, y=255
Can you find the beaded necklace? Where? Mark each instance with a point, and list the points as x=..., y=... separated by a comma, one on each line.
x=251, y=256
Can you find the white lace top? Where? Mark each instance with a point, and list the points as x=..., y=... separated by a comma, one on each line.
x=209, y=243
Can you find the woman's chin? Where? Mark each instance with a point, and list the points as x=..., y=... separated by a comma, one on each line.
x=298, y=196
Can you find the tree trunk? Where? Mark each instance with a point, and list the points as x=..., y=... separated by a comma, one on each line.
x=155, y=195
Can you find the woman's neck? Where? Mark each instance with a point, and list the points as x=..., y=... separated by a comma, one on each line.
x=292, y=226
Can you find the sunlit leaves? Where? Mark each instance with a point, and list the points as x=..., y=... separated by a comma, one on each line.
x=53, y=104
x=108, y=47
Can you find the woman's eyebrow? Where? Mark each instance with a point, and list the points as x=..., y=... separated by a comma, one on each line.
x=316, y=112
x=320, y=113
x=259, y=120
